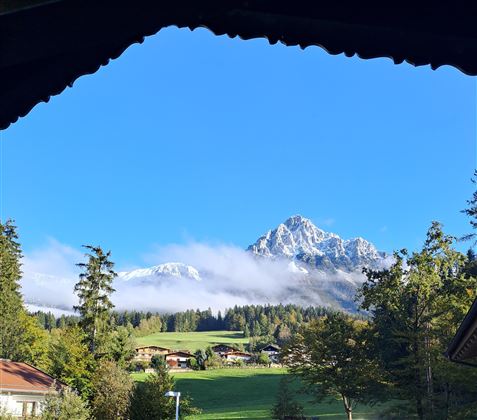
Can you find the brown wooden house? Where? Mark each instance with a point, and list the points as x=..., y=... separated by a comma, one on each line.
x=234, y=356
x=221, y=349
x=178, y=359
x=145, y=353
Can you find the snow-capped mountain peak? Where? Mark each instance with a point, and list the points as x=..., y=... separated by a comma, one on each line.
x=178, y=270
x=295, y=236
x=298, y=238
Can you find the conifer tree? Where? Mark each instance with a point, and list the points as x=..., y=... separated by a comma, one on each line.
x=94, y=289
x=149, y=401
x=11, y=302
x=286, y=407
x=21, y=338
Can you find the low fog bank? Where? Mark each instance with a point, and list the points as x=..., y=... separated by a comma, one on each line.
x=229, y=276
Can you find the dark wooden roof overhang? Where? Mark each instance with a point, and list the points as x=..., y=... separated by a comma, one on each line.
x=45, y=45
x=464, y=344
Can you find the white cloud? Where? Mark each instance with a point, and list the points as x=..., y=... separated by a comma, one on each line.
x=49, y=275
x=229, y=276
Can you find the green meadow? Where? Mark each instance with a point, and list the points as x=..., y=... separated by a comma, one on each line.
x=248, y=393
x=192, y=340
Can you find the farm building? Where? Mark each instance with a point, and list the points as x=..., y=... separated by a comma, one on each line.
x=234, y=356
x=23, y=388
x=145, y=353
x=178, y=359
x=222, y=349
x=273, y=352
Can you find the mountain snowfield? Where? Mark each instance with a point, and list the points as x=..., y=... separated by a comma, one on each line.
x=168, y=270
x=294, y=263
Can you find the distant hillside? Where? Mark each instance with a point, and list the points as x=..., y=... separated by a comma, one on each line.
x=193, y=341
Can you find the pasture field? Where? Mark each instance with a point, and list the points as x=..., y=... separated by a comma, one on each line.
x=192, y=341
x=248, y=393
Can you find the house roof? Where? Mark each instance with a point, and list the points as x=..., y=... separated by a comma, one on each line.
x=180, y=354
x=22, y=377
x=152, y=347
x=46, y=45
x=271, y=346
x=464, y=344
x=237, y=353
x=224, y=346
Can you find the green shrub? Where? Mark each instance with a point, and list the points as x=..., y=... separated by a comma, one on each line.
x=193, y=364
x=263, y=359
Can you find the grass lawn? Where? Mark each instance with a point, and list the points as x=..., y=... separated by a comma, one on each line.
x=247, y=394
x=192, y=340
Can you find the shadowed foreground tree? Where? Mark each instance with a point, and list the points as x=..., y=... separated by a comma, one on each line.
x=149, y=401
x=331, y=355
x=285, y=406
x=94, y=289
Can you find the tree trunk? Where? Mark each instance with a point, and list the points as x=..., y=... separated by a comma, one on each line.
x=347, y=407
x=429, y=382
x=446, y=413
x=417, y=367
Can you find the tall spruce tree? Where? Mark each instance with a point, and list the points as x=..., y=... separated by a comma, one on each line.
x=11, y=302
x=21, y=338
x=94, y=290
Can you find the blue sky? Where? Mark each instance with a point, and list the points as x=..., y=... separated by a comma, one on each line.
x=190, y=136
